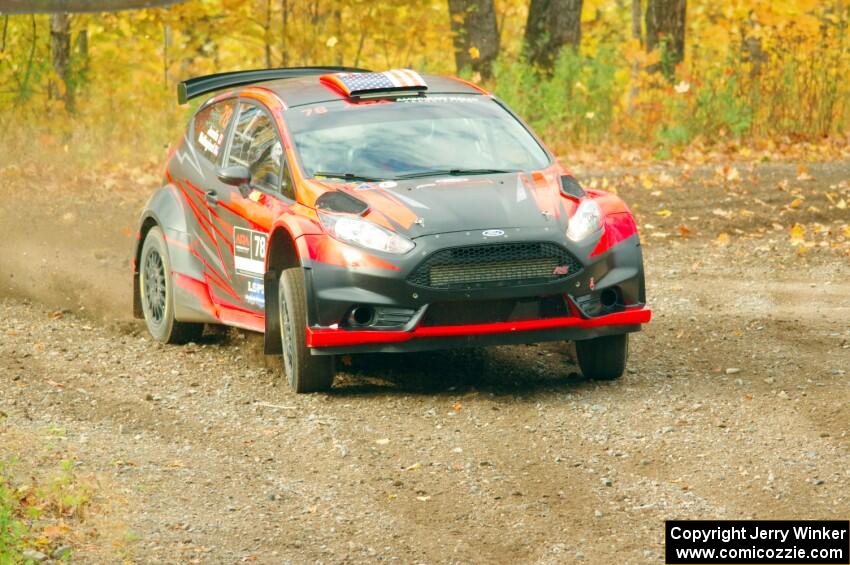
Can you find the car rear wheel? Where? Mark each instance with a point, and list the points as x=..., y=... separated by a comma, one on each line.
x=157, y=293
x=305, y=372
x=603, y=358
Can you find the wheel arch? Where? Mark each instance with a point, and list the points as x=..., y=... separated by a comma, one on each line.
x=166, y=210
x=282, y=253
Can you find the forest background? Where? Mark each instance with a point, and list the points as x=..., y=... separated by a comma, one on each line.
x=653, y=78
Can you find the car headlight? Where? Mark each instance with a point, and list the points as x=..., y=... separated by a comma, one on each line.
x=365, y=234
x=586, y=221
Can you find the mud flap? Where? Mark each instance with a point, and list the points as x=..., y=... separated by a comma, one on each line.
x=272, y=345
x=137, y=298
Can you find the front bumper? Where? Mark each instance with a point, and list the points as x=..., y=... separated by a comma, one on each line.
x=336, y=341
x=473, y=317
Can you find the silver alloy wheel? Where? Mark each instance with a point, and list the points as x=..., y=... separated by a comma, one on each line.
x=154, y=286
x=285, y=338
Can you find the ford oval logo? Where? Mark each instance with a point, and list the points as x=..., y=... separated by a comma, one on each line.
x=493, y=233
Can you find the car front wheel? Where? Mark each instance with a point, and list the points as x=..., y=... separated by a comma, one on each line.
x=603, y=358
x=305, y=372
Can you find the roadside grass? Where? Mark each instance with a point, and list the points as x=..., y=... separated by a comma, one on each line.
x=49, y=507
x=40, y=515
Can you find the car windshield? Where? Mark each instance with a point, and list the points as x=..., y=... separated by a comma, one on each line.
x=412, y=137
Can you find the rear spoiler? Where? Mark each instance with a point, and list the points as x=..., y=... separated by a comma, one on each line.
x=197, y=86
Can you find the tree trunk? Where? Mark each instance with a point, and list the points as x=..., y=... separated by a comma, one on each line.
x=476, y=36
x=76, y=6
x=637, y=33
x=60, y=54
x=5, y=29
x=284, y=25
x=267, y=34
x=551, y=25
x=665, y=30
x=337, y=48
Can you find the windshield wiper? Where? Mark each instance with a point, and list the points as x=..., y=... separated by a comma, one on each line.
x=454, y=173
x=345, y=176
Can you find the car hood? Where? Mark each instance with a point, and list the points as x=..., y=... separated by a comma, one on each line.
x=422, y=207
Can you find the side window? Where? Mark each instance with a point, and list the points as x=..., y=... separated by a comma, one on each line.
x=209, y=127
x=257, y=146
x=286, y=186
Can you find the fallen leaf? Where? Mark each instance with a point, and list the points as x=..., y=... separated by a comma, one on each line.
x=56, y=531
x=382, y=441
x=728, y=174
x=796, y=203
x=722, y=240
x=798, y=234
x=803, y=173
x=684, y=231
x=664, y=213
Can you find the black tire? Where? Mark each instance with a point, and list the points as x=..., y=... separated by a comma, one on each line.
x=603, y=358
x=157, y=293
x=305, y=372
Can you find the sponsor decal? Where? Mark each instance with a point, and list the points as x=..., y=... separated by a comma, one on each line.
x=388, y=184
x=439, y=99
x=211, y=140
x=256, y=293
x=592, y=283
x=255, y=196
x=249, y=252
x=493, y=233
x=364, y=186
x=561, y=270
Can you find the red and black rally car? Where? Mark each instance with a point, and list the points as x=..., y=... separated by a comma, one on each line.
x=343, y=211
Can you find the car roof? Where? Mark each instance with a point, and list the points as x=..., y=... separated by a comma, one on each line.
x=310, y=90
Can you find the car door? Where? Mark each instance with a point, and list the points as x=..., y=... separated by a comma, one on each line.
x=256, y=144
x=193, y=172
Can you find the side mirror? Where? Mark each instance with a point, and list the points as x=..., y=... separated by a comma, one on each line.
x=234, y=175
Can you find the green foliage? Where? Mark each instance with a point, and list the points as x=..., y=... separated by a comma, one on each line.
x=25, y=512
x=576, y=102
x=12, y=529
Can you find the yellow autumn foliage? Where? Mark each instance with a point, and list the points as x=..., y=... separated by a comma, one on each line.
x=756, y=71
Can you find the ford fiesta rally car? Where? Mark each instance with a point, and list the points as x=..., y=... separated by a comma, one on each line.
x=344, y=211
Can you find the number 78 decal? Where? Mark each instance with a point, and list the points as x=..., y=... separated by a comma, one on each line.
x=249, y=252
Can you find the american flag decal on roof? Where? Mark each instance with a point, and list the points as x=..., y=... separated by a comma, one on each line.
x=354, y=84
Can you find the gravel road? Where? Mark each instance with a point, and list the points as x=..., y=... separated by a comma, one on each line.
x=736, y=403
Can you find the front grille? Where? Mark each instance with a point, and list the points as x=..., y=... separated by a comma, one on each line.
x=465, y=312
x=495, y=265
